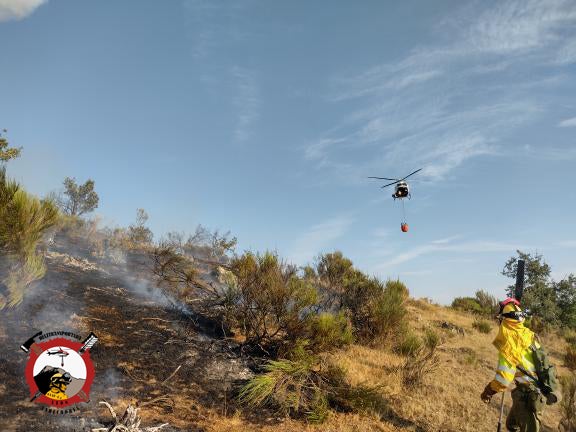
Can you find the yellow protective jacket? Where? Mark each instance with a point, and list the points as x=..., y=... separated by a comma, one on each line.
x=513, y=344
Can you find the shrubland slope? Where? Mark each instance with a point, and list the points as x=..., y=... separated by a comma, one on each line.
x=182, y=372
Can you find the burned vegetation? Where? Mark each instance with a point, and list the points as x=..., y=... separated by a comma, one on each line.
x=187, y=327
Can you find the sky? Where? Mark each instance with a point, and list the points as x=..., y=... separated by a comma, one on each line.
x=265, y=118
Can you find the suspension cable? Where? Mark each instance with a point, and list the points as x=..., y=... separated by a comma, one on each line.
x=403, y=211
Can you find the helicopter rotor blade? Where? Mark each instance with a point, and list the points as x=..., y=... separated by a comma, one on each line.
x=411, y=174
x=389, y=184
x=384, y=178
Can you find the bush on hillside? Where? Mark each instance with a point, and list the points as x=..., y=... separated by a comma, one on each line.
x=467, y=304
x=568, y=404
x=24, y=220
x=179, y=278
x=482, y=325
x=273, y=303
x=422, y=362
x=409, y=345
x=376, y=310
x=334, y=272
x=488, y=303
x=482, y=303
x=386, y=319
x=207, y=244
x=138, y=233
x=538, y=325
x=328, y=331
x=570, y=357
x=306, y=386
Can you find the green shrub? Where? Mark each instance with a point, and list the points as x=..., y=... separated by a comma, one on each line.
x=273, y=304
x=431, y=339
x=568, y=334
x=422, y=363
x=471, y=358
x=570, y=357
x=482, y=325
x=6, y=152
x=387, y=318
x=538, y=325
x=568, y=403
x=467, y=304
x=329, y=331
x=24, y=219
x=333, y=271
x=307, y=386
x=488, y=303
x=409, y=345
x=377, y=310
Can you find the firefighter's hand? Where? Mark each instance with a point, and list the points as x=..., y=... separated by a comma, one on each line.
x=487, y=394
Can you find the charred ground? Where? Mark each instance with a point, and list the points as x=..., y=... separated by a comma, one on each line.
x=176, y=365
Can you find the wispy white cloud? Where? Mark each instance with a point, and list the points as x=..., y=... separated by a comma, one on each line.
x=446, y=240
x=381, y=233
x=551, y=152
x=447, y=102
x=212, y=24
x=247, y=102
x=18, y=9
x=521, y=26
x=315, y=239
x=571, y=122
x=446, y=245
x=567, y=53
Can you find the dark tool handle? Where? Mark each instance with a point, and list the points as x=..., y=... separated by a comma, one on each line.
x=519, y=289
x=499, y=429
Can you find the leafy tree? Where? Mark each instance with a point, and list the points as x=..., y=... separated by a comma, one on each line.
x=539, y=295
x=566, y=298
x=333, y=269
x=79, y=199
x=487, y=302
x=7, y=153
x=210, y=244
x=468, y=304
x=139, y=233
x=536, y=270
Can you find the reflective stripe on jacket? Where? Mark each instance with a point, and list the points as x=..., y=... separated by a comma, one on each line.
x=507, y=372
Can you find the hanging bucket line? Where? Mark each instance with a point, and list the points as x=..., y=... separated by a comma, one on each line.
x=403, y=212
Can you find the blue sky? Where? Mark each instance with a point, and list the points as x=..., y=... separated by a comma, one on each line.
x=265, y=118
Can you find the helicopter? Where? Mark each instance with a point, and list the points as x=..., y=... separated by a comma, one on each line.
x=401, y=191
x=60, y=353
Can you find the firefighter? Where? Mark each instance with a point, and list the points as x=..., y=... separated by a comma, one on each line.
x=520, y=358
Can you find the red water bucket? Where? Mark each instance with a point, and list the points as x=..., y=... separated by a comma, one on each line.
x=404, y=227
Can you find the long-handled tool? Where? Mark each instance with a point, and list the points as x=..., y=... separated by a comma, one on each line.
x=518, y=292
x=501, y=413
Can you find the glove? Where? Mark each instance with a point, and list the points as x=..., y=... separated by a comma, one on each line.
x=487, y=394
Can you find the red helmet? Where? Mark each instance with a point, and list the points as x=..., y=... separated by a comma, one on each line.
x=507, y=301
x=510, y=308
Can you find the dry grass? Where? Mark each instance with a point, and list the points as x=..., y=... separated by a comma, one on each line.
x=130, y=335
x=449, y=399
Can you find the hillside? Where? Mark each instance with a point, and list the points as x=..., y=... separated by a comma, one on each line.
x=181, y=372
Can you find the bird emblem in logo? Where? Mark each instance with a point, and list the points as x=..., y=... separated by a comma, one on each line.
x=59, y=371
